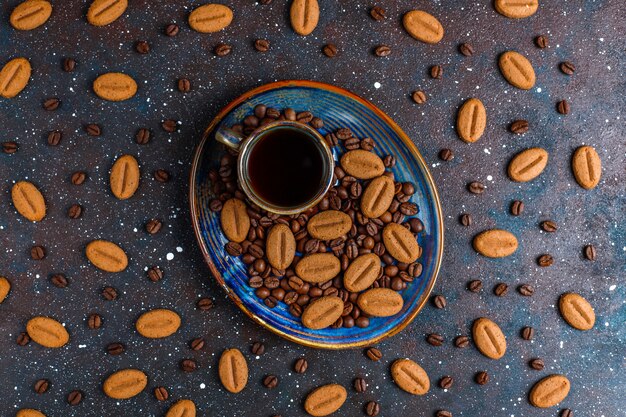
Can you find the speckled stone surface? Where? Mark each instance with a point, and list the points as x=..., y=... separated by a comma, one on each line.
x=590, y=34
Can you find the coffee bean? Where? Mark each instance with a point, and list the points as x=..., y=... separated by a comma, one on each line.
x=257, y=348
x=171, y=29
x=205, y=304
x=526, y=290
x=78, y=178
x=330, y=50
x=301, y=365
x=41, y=386
x=377, y=13
x=466, y=49
x=169, y=125
x=262, y=45
x=93, y=129
x=75, y=211
x=567, y=67
x=528, y=333
x=196, y=343
x=501, y=289
x=446, y=154
x=223, y=49
x=475, y=285
x=367, y=144
x=567, y=413
x=161, y=394
x=54, y=137
x=519, y=127
x=435, y=339
x=23, y=339
x=476, y=187
x=37, y=252
x=360, y=385
x=465, y=219
x=446, y=382
x=115, y=348
x=75, y=397
x=188, y=365
x=142, y=47
x=9, y=147
x=439, y=301
x=352, y=144
x=94, y=321
x=184, y=85
x=419, y=97
x=443, y=413
x=161, y=175
x=481, y=378
x=382, y=51
x=69, y=65
x=562, y=107
x=590, y=252
x=541, y=41
x=142, y=136
x=59, y=280
x=408, y=209
x=517, y=207
x=153, y=226
x=51, y=104
x=270, y=381
x=109, y=293
x=461, y=341
x=537, y=364
x=545, y=260
x=548, y=226
x=436, y=72
x=373, y=354
x=372, y=408
x=154, y=274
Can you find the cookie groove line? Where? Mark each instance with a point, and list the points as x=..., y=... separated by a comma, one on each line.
x=331, y=224
x=554, y=392
x=519, y=68
x=412, y=377
x=325, y=313
x=493, y=339
x=520, y=3
x=592, y=176
x=380, y=195
x=383, y=303
x=27, y=15
x=233, y=371
x=28, y=200
x=126, y=384
x=283, y=247
x=580, y=311
x=106, y=8
x=428, y=26
x=124, y=169
x=116, y=87
x=400, y=242
x=305, y=14
x=11, y=77
x=47, y=331
x=330, y=400
x=236, y=223
x=530, y=166
x=472, y=119
x=184, y=414
x=210, y=18
x=108, y=256
x=152, y=324
x=321, y=268
x=364, y=273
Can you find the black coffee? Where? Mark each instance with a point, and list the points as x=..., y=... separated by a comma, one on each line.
x=286, y=167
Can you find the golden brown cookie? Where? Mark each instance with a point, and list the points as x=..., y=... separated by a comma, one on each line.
x=28, y=201
x=304, y=15
x=550, y=391
x=106, y=256
x=528, y=165
x=5, y=287
x=30, y=14
x=29, y=412
x=380, y=302
x=517, y=70
x=362, y=164
x=235, y=220
x=329, y=225
x=280, y=246
x=125, y=384
x=210, y=18
x=182, y=408
x=47, y=332
x=14, y=77
x=325, y=400
x=103, y=12
x=377, y=197
x=115, y=86
x=577, y=311
x=362, y=272
x=587, y=167
x=322, y=312
x=488, y=338
x=400, y=243
x=516, y=9
x=124, y=177
x=471, y=120
x=318, y=267
x=409, y=376
x=423, y=26
x=158, y=323
x=233, y=370
x=495, y=243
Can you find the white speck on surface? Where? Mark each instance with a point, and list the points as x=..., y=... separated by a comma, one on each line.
x=169, y=256
x=377, y=85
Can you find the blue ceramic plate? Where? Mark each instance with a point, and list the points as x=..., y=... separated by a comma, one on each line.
x=338, y=108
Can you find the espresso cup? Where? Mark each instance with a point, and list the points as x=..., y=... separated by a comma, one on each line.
x=283, y=167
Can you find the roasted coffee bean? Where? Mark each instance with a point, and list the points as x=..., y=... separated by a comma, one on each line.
x=155, y=274
x=51, y=104
x=590, y=252
x=301, y=365
x=142, y=47
x=161, y=175
x=257, y=348
x=419, y=97
x=93, y=129
x=389, y=161
x=222, y=49
x=59, y=280
x=161, y=394
x=408, y=209
x=475, y=285
x=270, y=301
x=142, y=136
x=69, y=65
x=537, y=364
x=262, y=45
x=330, y=50
x=75, y=397
x=517, y=207
x=466, y=49
x=563, y=107
x=476, y=187
x=115, y=348
x=75, y=211
x=373, y=354
x=216, y=205
x=94, y=321
x=466, y=219
x=377, y=13
x=23, y=339
x=188, y=365
x=435, y=339
x=439, y=301
x=372, y=408
x=519, y=127
x=197, y=343
x=500, y=289
x=545, y=260
x=567, y=413
x=54, y=137
x=567, y=67
x=78, y=178
x=184, y=85
x=109, y=293
x=481, y=378
x=548, y=226
x=382, y=51
x=270, y=381
x=171, y=29
x=37, y=252
x=446, y=154
x=436, y=72
x=352, y=144
x=526, y=290
x=360, y=385
x=304, y=116
x=41, y=386
x=169, y=125
x=153, y=226
x=443, y=413
x=446, y=382
x=527, y=333
x=541, y=41
x=461, y=341
x=205, y=304
x=331, y=139
x=9, y=147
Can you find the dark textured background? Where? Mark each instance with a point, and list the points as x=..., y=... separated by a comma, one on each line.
x=588, y=33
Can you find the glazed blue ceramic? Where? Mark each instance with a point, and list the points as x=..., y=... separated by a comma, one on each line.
x=338, y=108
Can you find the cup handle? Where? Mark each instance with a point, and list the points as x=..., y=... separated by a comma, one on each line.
x=229, y=138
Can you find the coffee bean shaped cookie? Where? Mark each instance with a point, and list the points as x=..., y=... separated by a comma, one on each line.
x=47, y=332
x=377, y=197
x=516, y=9
x=325, y=400
x=182, y=408
x=517, y=70
x=5, y=287
x=124, y=177
x=380, y=302
x=125, y=384
x=280, y=246
x=210, y=18
x=158, y=323
x=29, y=412
x=28, y=201
x=409, y=376
x=488, y=338
x=115, y=86
x=235, y=220
x=318, y=267
x=104, y=12
x=362, y=164
x=587, y=167
x=400, y=243
x=471, y=120
x=14, y=77
x=362, y=272
x=577, y=311
x=528, y=165
x=233, y=370
x=106, y=256
x=329, y=225
x=322, y=312
x=550, y=391
x=423, y=26
x=495, y=243
x=30, y=14
x=304, y=15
